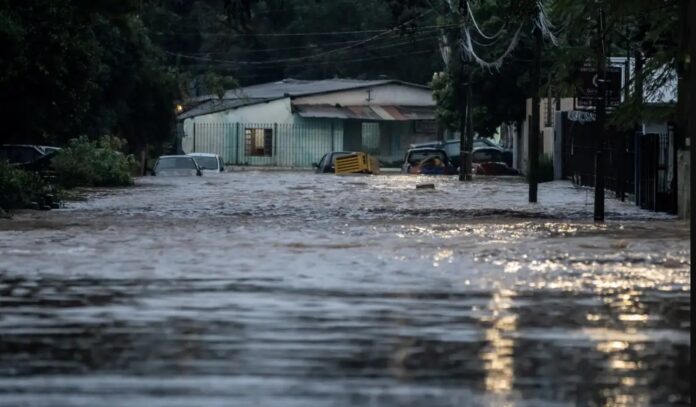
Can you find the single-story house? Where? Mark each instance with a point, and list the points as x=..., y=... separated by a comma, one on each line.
x=292, y=123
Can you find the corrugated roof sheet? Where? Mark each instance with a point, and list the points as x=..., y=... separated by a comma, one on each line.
x=287, y=88
x=217, y=105
x=377, y=113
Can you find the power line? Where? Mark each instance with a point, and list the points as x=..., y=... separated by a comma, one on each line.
x=423, y=34
x=320, y=54
x=347, y=61
x=270, y=62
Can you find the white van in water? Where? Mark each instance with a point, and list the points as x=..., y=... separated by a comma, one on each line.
x=208, y=162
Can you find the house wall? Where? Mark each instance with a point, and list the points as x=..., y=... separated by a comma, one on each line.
x=547, y=118
x=393, y=94
x=297, y=142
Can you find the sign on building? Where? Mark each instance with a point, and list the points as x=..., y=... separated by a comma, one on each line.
x=588, y=92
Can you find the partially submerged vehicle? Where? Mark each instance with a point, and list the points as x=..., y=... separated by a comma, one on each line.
x=427, y=161
x=208, y=162
x=453, y=148
x=24, y=153
x=490, y=161
x=328, y=161
x=176, y=165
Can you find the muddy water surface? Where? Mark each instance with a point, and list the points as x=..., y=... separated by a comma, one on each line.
x=296, y=289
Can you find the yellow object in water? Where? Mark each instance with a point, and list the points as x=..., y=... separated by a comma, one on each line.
x=357, y=163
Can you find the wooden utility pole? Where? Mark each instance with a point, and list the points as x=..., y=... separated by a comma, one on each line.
x=601, y=116
x=535, y=128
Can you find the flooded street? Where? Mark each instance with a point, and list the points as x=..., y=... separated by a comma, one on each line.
x=296, y=289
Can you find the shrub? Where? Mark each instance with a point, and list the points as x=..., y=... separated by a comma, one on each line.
x=545, y=168
x=18, y=188
x=93, y=163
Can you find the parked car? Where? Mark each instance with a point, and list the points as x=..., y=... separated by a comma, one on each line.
x=176, y=165
x=453, y=148
x=42, y=165
x=430, y=161
x=208, y=162
x=328, y=161
x=490, y=161
x=23, y=153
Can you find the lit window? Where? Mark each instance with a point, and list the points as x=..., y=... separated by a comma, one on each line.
x=259, y=142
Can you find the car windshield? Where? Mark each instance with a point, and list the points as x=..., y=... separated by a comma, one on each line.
x=416, y=157
x=207, y=163
x=176, y=163
x=487, y=155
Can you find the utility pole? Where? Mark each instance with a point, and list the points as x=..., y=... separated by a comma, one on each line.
x=535, y=128
x=601, y=118
x=464, y=87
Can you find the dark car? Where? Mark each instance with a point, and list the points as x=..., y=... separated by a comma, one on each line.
x=453, y=148
x=176, y=165
x=23, y=153
x=427, y=161
x=490, y=161
x=328, y=161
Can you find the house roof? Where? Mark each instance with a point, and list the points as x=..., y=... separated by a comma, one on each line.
x=266, y=92
x=218, y=105
x=373, y=112
x=297, y=87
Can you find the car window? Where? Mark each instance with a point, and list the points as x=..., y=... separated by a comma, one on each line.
x=22, y=154
x=486, y=155
x=453, y=149
x=322, y=162
x=175, y=163
x=415, y=157
x=207, y=163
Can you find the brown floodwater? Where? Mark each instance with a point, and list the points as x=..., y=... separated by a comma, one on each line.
x=297, y=289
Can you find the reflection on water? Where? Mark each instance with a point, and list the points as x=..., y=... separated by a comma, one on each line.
x=498, y=356
x=301, y=290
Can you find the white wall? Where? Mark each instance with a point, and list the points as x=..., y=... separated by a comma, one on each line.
x=275, y=111
x=392, y=94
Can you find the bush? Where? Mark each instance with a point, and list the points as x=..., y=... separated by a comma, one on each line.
x=19, y=189
x=93, y=163
x=545, y=168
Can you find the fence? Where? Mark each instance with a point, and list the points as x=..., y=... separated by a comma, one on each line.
x=264, y=144
x=641, y=164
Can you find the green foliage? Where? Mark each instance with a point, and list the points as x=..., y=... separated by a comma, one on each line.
x=545, y=168
x=18, y=188
x=94, y=163
x=446, y=111
x=219, y=84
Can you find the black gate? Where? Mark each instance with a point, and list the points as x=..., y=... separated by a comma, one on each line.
x=656, y=175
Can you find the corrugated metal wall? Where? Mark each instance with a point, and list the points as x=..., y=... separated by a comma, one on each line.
x=291, y=145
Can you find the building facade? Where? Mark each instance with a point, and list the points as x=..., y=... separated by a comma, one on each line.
x=292, y=123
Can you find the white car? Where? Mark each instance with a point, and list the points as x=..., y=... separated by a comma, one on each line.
x=208, y=162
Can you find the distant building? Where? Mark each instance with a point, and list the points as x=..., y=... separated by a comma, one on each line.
x=292, y=123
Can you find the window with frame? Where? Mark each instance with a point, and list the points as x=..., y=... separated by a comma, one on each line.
x=259, y=142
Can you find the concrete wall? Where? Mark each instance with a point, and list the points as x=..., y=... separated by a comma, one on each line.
x=684, y=181
x=379, y=95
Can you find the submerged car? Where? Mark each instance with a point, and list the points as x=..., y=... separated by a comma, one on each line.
x=490, y=161
x=453, y=148
x=328, y=161
x=208, y=162
x=427, y=161
x=24, y=153
x=176, y=165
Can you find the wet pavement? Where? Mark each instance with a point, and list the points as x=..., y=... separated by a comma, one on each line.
x=296, y=289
